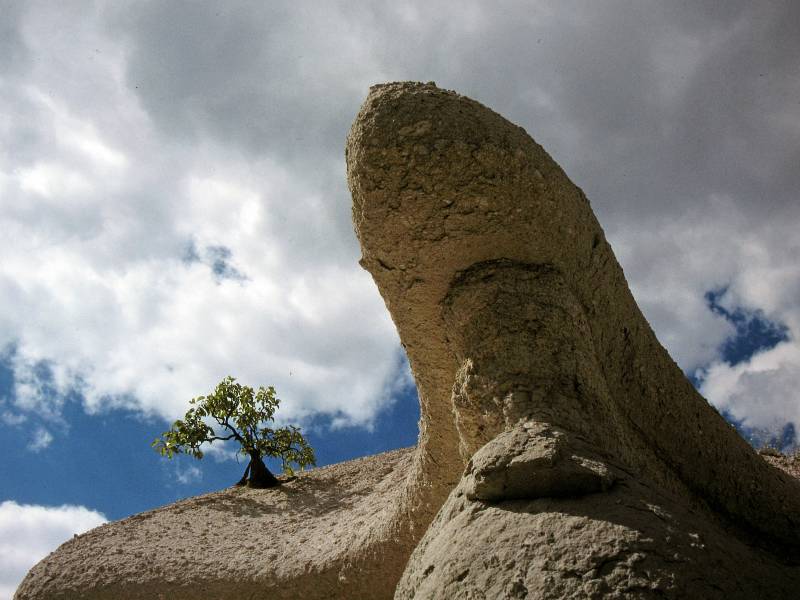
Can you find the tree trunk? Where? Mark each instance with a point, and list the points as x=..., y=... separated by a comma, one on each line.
x=260, y=475
x=243, y=480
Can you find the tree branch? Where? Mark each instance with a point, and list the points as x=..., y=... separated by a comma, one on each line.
x=234, y=434
x=223, y=439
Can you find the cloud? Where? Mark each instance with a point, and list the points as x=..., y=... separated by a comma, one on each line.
x=12, y=419
x=41, y=440
x=753, y=331
x=674, y=262
x=14, y=56
x=175, y=209
x=99, y=298
x=190, y=474
x=760, y=393
x=29, y=532
x=218, y=259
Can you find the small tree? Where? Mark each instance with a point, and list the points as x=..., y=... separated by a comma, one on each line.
x=243, y=416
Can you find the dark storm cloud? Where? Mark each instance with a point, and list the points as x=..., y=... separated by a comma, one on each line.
x=739, y=125
x=649, y=106
x=260, y=76
x=14, y=54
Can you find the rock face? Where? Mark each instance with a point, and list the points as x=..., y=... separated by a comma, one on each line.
x=529, y=349
x=629, y=541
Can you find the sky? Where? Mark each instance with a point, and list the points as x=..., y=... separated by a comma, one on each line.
x=173, y=209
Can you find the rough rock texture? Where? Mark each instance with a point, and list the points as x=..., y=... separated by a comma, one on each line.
x=513, y=311
x=790, y=464
x=633, y=541
x=326, y=534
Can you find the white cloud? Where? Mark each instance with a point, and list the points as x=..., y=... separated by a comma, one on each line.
x=98, y=298
x=762, y=392
x=51, y=179
x=222, y=451
x=190, y=474
x=154, y=331
x=29, y=532
x=41, y=440
x=13, y=419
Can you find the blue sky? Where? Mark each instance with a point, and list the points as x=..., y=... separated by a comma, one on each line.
x=105, y=460
x=173, y=210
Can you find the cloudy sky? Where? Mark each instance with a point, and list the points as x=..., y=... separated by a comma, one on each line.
x=173, y=209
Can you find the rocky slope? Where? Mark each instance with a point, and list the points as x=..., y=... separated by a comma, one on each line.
x=788, y=463
x=321, y=535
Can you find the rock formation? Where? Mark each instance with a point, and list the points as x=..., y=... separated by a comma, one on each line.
x=326, y=534
x=562, y=453
x=532, y=360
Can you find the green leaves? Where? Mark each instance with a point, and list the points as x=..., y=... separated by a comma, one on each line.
x=242, y=414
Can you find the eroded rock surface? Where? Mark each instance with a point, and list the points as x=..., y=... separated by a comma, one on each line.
x=327, y=534
x=632, y=541
x=531, y=357
x=533, y=460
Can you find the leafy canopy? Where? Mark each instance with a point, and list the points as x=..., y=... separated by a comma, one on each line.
x=242, y=415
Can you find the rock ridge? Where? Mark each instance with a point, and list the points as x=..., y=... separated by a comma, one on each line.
x=326, y=534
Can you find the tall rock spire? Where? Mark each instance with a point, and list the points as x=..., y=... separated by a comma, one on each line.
x=525, y=341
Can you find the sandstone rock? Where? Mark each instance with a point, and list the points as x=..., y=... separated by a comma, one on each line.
x=632, y=541
x=327, y=534
x=513, y=310
x=533, y=460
